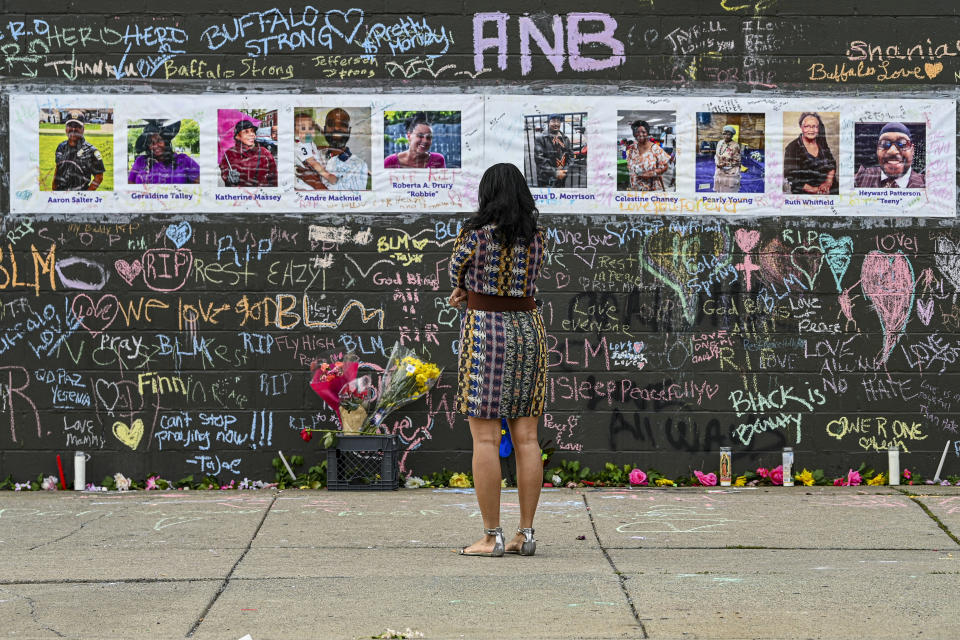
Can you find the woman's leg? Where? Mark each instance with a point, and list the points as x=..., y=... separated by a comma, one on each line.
x=523, y=431
x=486, y=477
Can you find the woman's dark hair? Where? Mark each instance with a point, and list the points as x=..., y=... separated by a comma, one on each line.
x=506, y=201
x=420, y=117
x=821, y=130
x=639, y=123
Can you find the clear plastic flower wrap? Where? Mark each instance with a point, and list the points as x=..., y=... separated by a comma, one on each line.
x=405, y=379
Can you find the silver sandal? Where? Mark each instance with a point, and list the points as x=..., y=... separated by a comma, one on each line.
x=497, y=551
x=529, y=546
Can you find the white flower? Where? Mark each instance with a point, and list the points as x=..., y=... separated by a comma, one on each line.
x=49, y=483
x=557, y=480
x=414, y=482
x=122, y=482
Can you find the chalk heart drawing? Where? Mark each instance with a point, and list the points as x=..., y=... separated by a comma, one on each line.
x=128, y=270
x=947, y=259
x=180, y=233
x=933, y=70
x=925, y=311
x=587, y=254
x=108, y=393
x=129, y=435
x=448, y=317
x=667, y=254
x=808, y=261
x=97, y=316
x=887, y=281
x=349, y=20
x=746, y=240
x=837, y=252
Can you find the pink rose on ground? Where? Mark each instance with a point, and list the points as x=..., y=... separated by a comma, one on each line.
x=838, y=482
x=638, y=477
x=763, y=473
x=706, y=479
x=853, y=479
x=776, y=475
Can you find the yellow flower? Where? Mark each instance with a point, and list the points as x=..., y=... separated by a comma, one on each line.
x=665, y=482
x=804, y=477
x=741, y=481
x=877, y=480
x=460, y=480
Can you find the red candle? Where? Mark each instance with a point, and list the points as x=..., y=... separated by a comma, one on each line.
x=63, y=483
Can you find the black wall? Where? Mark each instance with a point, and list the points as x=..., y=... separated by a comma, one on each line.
x=658, y=357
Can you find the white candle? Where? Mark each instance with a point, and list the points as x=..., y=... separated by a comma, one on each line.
x=893, y=463
x=79, y=471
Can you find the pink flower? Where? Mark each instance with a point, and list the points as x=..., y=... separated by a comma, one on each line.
x=853, y=479
x=706, y=479
x=638, y=477
x=152, y=483
x=907, y=474
x=763, y=473
x=776, y=475
x=838, y=482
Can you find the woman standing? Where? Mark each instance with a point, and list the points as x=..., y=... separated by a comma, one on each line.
x=503, y=359
x=646, y=161
x=726, y=178
x=808, y=164
x=417, y=155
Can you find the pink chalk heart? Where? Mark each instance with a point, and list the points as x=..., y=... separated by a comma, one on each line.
x=887, y=281
x=746, y=240
x=97, y=316
x=128, y=270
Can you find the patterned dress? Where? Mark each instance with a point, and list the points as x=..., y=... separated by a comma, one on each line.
x=502, y=369
x=654, y=159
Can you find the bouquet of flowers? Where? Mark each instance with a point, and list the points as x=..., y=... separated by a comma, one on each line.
x=330, y=377
x=356, y=399
x=406, y=378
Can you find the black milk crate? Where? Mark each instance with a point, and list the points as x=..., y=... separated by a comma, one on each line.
x=364, y=463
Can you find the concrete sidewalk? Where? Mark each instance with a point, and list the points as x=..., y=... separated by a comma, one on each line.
x=803, y=562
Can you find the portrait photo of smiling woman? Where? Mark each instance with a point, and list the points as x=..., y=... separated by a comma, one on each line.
x=421, y=140
x=890, y=155
x=809, y=163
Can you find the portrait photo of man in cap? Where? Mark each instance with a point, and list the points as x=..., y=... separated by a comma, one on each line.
x=78, y=163
x=890, y=155
x=245, y=162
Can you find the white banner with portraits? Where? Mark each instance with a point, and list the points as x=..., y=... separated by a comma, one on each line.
x=420, y=152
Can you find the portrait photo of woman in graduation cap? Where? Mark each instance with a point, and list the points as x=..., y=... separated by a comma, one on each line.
x=161, y=151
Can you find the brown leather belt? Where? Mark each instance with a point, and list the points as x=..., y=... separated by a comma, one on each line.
x=481, y=302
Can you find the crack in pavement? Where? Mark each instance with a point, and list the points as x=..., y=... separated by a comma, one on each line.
x=617, y=572
x=226, y=580
x=33, y=612
x=77, y=530
x=915, y=499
